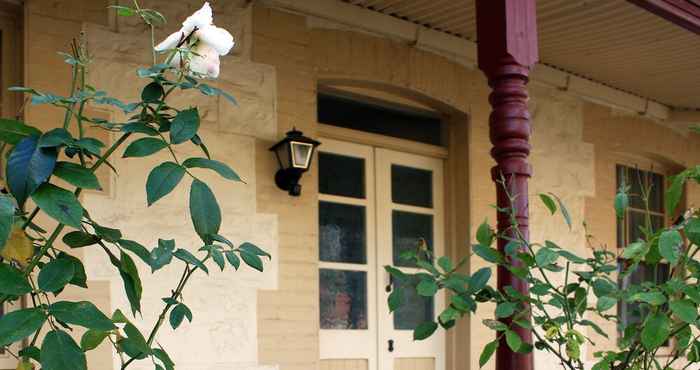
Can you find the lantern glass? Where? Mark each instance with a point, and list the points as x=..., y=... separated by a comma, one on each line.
x=282, y=152
x=301, y=154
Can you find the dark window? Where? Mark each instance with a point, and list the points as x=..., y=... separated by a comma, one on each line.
x=632, y=312
x=343, y=299
x=342, y=234
x=415, y=309
x=411, y=186
x=630, y=227
x=341, y=175
x=412, y=231
x=380, y=118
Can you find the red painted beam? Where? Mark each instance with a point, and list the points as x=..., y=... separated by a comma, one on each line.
x=684, y=13
x=507, y=49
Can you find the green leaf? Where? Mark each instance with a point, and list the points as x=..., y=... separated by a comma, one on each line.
x=233, y=259
x=602, y=287
x=487, y=352
x=487, y=253
x=136, y=341
x=635, y=250
x=395, y=299
x=545, y=257
x=141, y=128
x=655, y=330
x=424, y=330
x=219, y=167
x=571, y=257
x=55, y=275
x=252, y=260
x=162, y=180
x=79, y=239
x=7, y=219
x=60, y=204
x=218, y=258
x=479, y=280
x=136, y=249
x=495, y=325
x=564, y=210
x=670, y=244
x=123, y=11
x=445, y=263
x=17, y=325
x=164, y=358
x=653, y=298
x=505, y=309
x=253, y=249
x=685, y=310
x=60, y=352
x=513, y=340
x=77, y=175
x=674, y=192
x=79, y=276
x=90, y=144
x=31, y=352
x=132, y=281
x=92, y=339
x=187, y=257
x=178, y=314
x=605, y=303
x=484, y=234
x=28, y=166
x=427, y=288
x=152, y=93
x=692, y=230
x=107, y=233
x=622, y=201
x=144, y=147
x=162, y=254
x=55, y=138
x=205, y=212
x=210, y=90
x=12, y=282
x=12, y=132
x=82, y=313
x=184, y=126
x=548, y=202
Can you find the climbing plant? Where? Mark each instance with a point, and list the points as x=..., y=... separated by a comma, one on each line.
x=571, y=294
x=37, y=268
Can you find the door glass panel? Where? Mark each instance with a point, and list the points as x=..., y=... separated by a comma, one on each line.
x=342, y=234
x=409, y=229
x=411, y=186
x=415, y=309
x=341, y=175
x=343, y=296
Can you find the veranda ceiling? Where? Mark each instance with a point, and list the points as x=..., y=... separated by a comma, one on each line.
x=609, y=41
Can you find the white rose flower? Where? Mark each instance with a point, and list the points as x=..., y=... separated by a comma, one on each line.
x=211, y=42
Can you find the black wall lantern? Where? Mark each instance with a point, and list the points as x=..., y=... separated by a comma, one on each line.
x=294, y=155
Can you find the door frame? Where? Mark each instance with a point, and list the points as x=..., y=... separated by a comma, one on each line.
x=356, y=343
x=365, y=145
x=404, y=345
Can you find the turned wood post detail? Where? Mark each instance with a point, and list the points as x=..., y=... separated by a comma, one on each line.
x=507, y=47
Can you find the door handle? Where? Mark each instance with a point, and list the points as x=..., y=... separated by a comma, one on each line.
x=391, y=345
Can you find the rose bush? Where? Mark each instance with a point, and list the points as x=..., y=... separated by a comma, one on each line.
x=33, y=266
